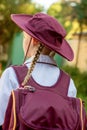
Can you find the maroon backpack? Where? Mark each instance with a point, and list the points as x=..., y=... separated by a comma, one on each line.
x=43, y=108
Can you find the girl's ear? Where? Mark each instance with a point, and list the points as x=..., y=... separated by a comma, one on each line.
x=35, y=41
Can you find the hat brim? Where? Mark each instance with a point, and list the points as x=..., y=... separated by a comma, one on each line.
x=64, y=50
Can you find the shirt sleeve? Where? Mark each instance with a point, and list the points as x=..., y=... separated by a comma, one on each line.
x=8, y=82
x=72, y=91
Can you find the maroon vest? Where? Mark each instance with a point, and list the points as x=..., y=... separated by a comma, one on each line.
x=61, y=85
x=45, y=108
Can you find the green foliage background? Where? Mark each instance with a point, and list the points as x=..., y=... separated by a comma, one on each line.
x=8, y=7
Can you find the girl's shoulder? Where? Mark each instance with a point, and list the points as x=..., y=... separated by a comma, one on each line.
x=9, y=77
x=8, y=72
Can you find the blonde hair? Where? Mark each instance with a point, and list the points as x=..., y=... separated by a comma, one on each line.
x=48, y=51
x=52, y=54
x=39, y=50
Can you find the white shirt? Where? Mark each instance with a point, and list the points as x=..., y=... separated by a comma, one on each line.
x=9, y=81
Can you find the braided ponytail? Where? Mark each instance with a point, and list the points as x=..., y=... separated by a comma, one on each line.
x=39, y=50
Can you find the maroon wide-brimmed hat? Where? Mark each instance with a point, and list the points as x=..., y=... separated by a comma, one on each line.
x=47, y=30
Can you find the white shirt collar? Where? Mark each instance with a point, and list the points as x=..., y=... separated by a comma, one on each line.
x=42, y=58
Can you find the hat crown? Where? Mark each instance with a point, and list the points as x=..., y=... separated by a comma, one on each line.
x=43, y=22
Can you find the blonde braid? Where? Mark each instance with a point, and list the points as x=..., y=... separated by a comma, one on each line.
x=52, y=54
x=32, y=64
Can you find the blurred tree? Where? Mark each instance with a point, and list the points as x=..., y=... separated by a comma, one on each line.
x=7, y=7
x=61, y=12
x=29, y=8
x=80, y=14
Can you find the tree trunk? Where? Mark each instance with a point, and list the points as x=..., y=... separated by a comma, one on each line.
x=79, y=43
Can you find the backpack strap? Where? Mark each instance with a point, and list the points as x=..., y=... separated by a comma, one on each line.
x=9, y=115
x=11, y=121
x=20, y=72
x=63, y=83
x=81, y=113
